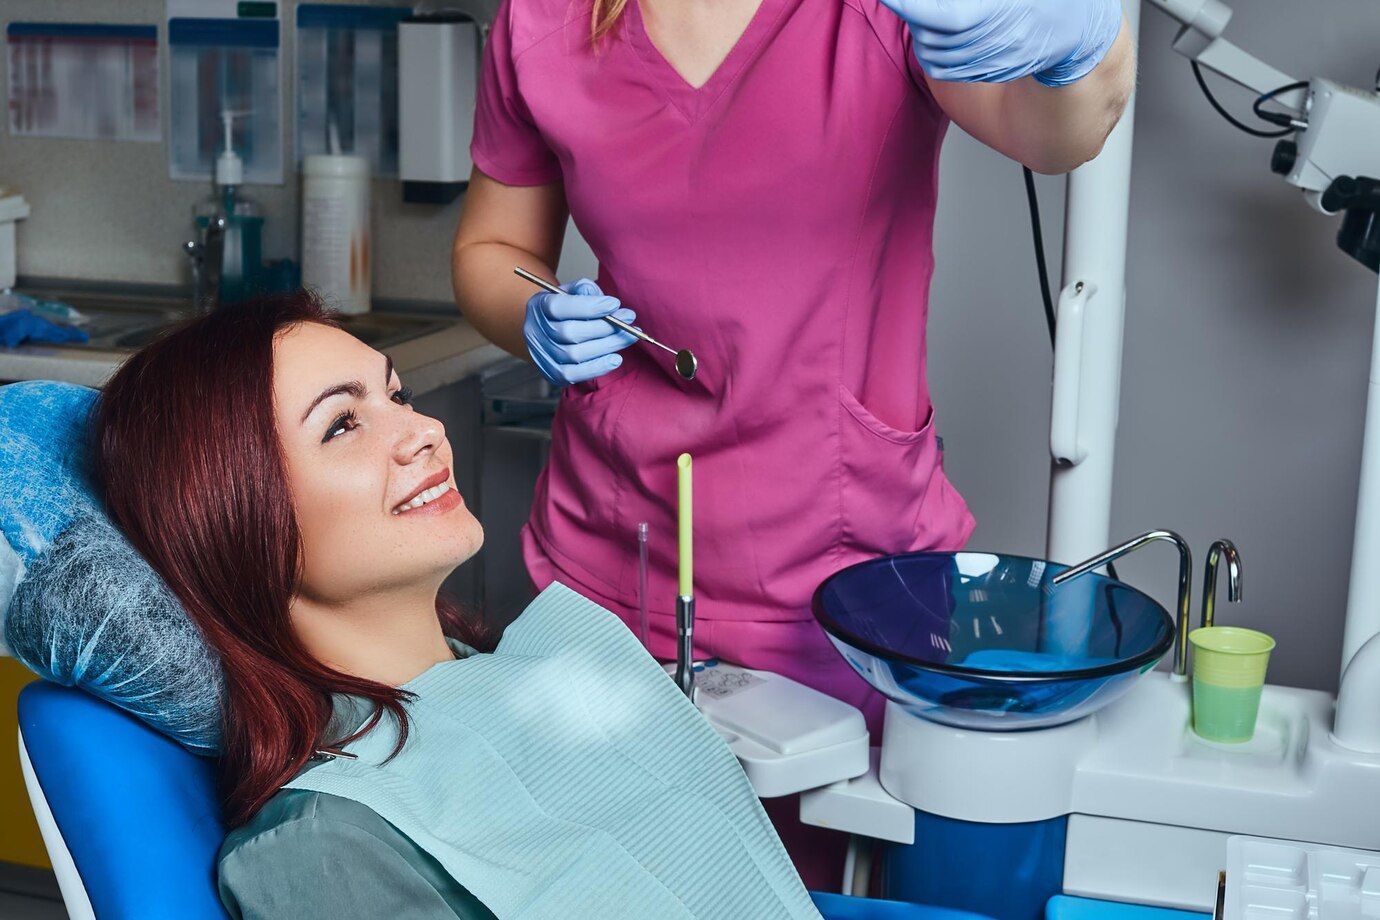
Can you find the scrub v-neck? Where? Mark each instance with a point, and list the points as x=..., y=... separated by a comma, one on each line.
x=692, y=101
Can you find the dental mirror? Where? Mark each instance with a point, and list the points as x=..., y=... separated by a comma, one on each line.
x=686, y=364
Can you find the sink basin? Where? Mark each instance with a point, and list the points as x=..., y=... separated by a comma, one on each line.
x=986, y=641
x=377, y=330
x=109, y=329
x=383, y=330
x=138, y=338
x=130, y=323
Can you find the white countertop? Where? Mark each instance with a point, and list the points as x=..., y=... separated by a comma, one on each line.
x=427, y=362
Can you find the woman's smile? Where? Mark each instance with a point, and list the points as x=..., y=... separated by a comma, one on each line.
x=435, y=500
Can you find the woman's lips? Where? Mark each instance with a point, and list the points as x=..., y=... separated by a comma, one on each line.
x=447, y=502
x=435, y=479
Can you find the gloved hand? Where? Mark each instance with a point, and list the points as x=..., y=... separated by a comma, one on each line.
x=568, y=339
x=995, y=41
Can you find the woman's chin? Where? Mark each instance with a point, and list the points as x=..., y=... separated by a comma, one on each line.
x=434, y=553
x=458, y=546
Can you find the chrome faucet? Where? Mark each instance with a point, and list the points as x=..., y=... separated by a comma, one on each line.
x=1185, y=582
x=1222, y=548
x=207, y=257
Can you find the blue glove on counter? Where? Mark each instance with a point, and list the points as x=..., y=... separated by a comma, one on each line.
x=994, y=41
x=21, y=326
x=566, y=337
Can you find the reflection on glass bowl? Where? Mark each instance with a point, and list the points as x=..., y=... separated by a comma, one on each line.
x=986, y=641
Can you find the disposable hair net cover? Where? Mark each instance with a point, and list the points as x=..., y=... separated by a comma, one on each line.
x=86, y=610
x=11, y=570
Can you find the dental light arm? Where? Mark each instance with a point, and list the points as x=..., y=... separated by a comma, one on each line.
x=1201, y=40
x=1337, y=125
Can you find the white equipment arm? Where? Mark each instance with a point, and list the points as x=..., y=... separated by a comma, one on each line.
x=1201, y=40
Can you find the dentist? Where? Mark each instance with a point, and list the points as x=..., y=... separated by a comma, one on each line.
x=758, y=180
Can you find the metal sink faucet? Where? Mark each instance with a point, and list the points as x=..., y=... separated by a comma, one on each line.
x=1222, y=548
x=207, y=257
x=1185, y=583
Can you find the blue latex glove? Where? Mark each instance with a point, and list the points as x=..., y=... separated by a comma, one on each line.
x=568, y=340
x=995, y=41
x=21, y=326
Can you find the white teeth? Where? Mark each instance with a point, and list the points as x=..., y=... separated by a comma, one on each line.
x=428, y=495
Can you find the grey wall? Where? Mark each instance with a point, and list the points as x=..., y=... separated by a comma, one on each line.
x=1247, y=331
x=1247, y=341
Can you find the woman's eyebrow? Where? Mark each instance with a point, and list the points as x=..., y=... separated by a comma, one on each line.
x=352, y=388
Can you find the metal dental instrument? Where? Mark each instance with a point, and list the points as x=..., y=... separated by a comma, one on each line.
x=1185, y=583
x=642, y=586
x=1220, y=550
x=685, y=645
x=686, y=365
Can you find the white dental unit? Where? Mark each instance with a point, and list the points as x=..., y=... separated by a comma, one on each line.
x=1150, y=806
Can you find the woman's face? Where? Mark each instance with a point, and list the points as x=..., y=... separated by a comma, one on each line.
x=371, y=479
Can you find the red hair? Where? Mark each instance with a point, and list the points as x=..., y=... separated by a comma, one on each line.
x=188, y=456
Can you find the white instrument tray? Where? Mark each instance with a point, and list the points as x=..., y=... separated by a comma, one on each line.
x=1281, y=880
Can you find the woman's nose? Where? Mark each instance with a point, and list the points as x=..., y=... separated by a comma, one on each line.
x=421, y=435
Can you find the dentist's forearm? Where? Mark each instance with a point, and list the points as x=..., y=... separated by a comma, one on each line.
x=502, y=227
x=490, y=296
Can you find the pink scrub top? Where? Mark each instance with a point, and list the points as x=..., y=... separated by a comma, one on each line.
x=777, y=221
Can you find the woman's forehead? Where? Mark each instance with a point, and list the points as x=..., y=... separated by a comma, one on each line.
x=309, y=357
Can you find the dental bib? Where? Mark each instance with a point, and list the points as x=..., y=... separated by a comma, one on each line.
x=565, y=776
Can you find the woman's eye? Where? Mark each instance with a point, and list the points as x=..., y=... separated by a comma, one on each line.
x=403, y=396
x=345, y=422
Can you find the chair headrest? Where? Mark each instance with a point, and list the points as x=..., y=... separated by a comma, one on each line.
x=78, y=604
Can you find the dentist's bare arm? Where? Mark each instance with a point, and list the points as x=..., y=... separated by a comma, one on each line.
x=1050, y=129
x=502, y=226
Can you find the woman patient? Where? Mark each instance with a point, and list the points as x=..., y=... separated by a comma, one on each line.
x=271, y=469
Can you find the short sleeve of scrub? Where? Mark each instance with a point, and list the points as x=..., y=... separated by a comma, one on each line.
x=894, y=36
x=507, y=146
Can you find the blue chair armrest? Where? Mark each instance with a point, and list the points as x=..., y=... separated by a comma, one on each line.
x=844, y=907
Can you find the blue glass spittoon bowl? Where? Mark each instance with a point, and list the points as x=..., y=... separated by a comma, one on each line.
x=985, y=641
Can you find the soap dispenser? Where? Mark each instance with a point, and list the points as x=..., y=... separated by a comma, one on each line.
x=241, y=249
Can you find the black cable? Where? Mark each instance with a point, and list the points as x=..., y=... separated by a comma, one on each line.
x=1276, y=118
x=1212, y=100
x=1038, y=233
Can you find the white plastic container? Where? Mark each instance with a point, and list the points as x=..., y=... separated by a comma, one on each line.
x=13, y=208
x=337, y=249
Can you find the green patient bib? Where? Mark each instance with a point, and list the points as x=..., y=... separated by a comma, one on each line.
x=565, y=776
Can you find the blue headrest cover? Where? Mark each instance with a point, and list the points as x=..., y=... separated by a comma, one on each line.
x=78, y=604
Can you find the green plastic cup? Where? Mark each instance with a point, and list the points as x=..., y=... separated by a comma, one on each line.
x=1228, y=675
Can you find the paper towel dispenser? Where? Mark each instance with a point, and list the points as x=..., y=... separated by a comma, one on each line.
x=439, y=53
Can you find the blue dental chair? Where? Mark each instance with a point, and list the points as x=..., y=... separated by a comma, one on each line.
x=128, y=816
x=130, y=821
